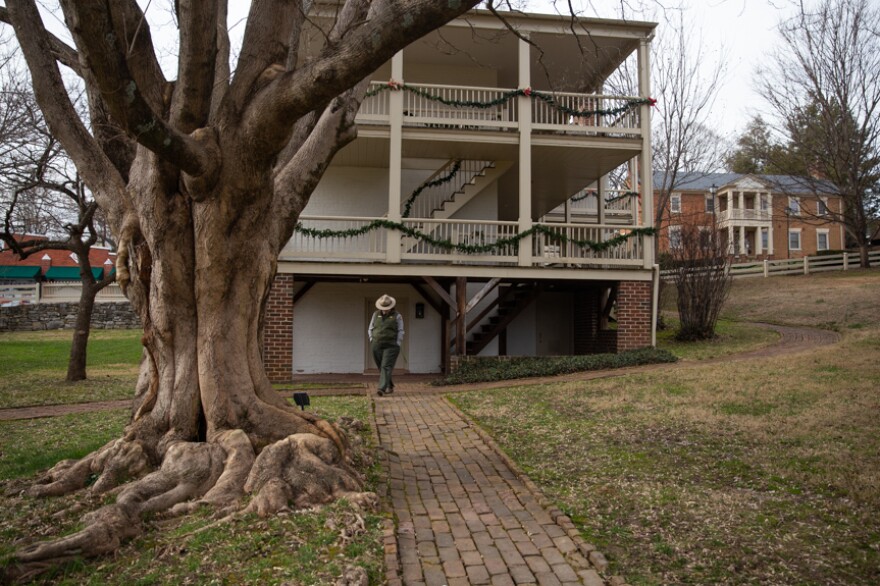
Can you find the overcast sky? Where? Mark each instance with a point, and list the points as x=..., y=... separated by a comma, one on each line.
x=741, y=32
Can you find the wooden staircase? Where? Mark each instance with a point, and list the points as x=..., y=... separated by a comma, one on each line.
x=509, y=304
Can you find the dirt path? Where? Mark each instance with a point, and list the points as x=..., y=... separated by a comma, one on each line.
x=792, y=340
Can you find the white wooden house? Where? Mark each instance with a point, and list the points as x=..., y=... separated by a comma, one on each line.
x=473, y=137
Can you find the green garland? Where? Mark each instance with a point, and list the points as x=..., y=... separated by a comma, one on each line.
x=456, y=166
x=547, y=231
x=619, y=197
x=509, y=95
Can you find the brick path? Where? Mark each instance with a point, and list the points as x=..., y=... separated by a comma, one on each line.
x=464, y=515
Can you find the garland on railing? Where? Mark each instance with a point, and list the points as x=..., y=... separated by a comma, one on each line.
x=547, y=231
x=505, y=97
x=587, y=194
x=456, y=166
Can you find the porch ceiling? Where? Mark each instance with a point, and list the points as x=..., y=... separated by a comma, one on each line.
x=560, y=166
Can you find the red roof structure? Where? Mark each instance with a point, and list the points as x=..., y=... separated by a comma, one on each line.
x=99, y=257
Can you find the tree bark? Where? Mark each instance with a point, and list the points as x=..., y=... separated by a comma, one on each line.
x=76, y=364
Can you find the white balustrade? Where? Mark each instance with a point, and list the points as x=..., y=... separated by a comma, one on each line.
x=483, y=108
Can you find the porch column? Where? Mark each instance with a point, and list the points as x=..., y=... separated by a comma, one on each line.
x=395, y=103
x=461, y=318
x=759, y=234
x=742, y=240
x=524, y=108
x=645, y=166
x=770, y=239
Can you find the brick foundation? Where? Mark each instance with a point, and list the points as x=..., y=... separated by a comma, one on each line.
x=634, y=303
x=278, y=330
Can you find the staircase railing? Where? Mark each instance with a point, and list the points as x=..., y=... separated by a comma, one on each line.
x=431, y=199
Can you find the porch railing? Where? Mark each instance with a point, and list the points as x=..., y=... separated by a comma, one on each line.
x=480, y=240
x=745, y=215
x=445, y=106
x=619, y=205
x=565, y=250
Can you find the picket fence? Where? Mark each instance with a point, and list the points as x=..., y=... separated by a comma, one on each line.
x=795, y=266
x=54, y=292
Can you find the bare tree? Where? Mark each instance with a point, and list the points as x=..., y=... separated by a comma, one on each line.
x=202, y=180
x=702, y=279
x=685, y=89
x=41, y=194
x=823, y=87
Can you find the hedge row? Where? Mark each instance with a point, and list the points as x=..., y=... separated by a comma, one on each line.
x=494, y=368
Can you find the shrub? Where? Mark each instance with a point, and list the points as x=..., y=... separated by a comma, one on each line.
x=493, y=368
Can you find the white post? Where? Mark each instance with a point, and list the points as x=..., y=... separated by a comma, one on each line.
x=645, y=166
x=845, y=260
x=395, y=160
x=806, y=265
x=524, y=106
x=766, y=268
x=655, y=280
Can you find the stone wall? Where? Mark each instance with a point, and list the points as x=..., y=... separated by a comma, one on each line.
x=56, y=316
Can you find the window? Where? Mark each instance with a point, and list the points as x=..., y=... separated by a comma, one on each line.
x=765, y=239
x=710, y=203
x=675, y=203
x=675, y=237
x=765, y=202
x=822, y=207
x=794, y=239
x=822, y=240
x=794, y=206
x=706, y=240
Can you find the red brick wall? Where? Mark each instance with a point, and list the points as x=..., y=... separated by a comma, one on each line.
x=634, y=302
x=278, y=330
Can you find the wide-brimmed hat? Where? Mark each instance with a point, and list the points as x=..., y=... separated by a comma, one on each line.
x=385, y=302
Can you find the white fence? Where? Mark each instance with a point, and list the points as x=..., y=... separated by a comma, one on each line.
x=796, y=266
x=54, y=292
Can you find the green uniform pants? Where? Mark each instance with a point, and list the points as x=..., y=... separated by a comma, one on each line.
x=385, y=355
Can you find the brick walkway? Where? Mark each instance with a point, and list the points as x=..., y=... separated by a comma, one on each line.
x=464, y=516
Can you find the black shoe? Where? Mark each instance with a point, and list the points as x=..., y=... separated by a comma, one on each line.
x=389, y=390
x=381, y=392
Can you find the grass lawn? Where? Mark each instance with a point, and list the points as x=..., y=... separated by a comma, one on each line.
x=766, y=472
x=35, y=363
x=306, y=547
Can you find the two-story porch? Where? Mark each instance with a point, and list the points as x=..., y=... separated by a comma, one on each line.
x=459, y=195
x=745, y=214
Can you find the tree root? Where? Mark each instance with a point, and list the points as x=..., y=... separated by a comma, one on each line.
x=300, y=471
x=115, y=463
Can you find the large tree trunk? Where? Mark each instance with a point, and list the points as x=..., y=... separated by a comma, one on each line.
x=207, y=426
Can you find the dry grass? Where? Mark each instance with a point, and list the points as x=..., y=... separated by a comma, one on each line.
x=765, y=472
x=833, y=300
